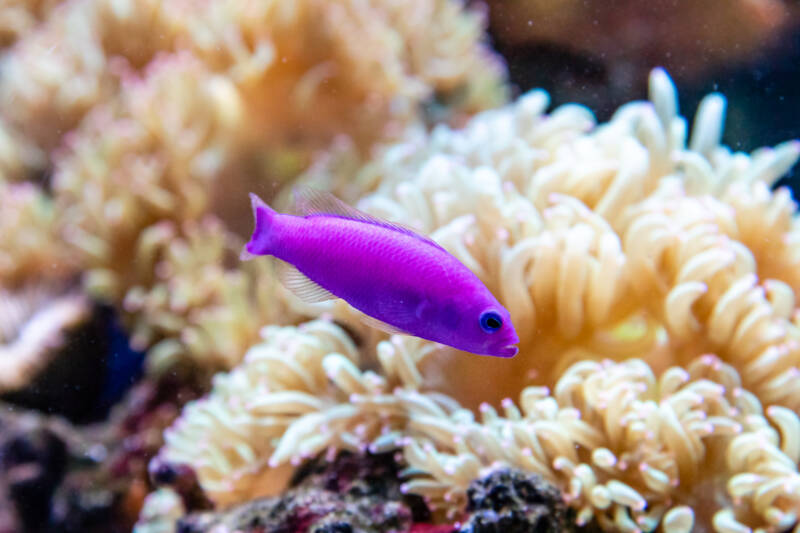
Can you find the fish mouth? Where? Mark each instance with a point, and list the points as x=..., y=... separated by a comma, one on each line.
x=508, y=351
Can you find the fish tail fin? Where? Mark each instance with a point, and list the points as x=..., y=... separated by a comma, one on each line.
x=260, y=242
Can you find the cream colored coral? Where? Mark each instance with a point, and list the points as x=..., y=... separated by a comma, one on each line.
x=761, y=219
x=298, y=393
x=621, y=241
x=627, y=448
x=708, y=294
x=57, y=72
x=767, y=225
x=196, y=307
x=29, y=245
x=17, y=17
x=631, y=450
x=337, y=59
x=150, y=156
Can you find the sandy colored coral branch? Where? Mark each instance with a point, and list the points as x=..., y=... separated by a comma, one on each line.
x=336, y=59
x=627, y=448
x=296, y=394
x=30, y=248
x=198, y=306
x=631, y=450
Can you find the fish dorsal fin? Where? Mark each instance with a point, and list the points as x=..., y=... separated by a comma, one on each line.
x=381, y=325
x=309, y=202
x=301, y=286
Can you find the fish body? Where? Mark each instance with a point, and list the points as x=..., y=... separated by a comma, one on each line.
x=401, y=279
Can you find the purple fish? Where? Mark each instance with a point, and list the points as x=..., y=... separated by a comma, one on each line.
x=404, y=282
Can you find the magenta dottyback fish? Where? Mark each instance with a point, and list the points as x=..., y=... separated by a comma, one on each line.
x=403, y=281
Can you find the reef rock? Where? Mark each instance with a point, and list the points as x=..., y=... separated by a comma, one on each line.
x=361, y=493
x=353, y=494
x=65, y=478
x=512, y=501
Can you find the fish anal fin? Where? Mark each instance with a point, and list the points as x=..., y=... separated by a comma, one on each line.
x=301, y=286
x=309, y=202
x=381, y=325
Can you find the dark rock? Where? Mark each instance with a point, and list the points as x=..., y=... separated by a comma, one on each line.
x=360, y=494
x=183, y=480
x=511, y=501
x=86, y=509
x=32, y=464
x=56, y=477
x=353, y=494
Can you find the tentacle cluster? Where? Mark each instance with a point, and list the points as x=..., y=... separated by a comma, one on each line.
x=296, y=394
x=128, y=168
x=304, y=54
x=197, y=306
x=29, y=244
x=631, y=450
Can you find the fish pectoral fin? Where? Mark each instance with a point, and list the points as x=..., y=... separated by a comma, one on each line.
x=301, y=286
x=381, y=325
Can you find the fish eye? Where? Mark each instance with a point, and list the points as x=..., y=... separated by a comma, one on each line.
x=491, y=321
